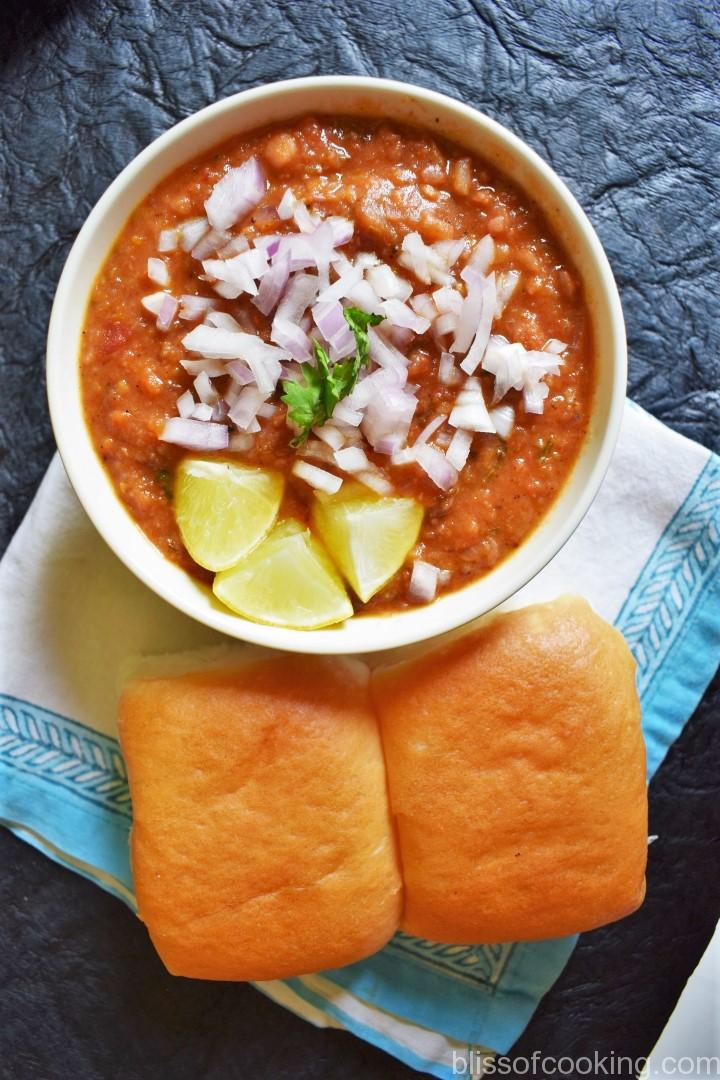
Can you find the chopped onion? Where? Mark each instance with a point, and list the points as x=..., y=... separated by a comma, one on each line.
x=389, y=445
x=195, y=434
x=387, y=284
x=534, y=397
x=305, y=221
x=219, y=344
x=342, y=230
x=373, y=385
x=506, y=284
x=423, y=305
x=448, y=374
x=383, y=353
x=470, y=411
x=273, y=283
x=267, y=410
x=331, y=435
x=450, y=250
x=222, y=320
x=364, y=296
x=285, y=331
x=341, y=288
x=458, y=451
x=214, y=368
x=402, y=456
x=317, y=478
x=481, y=256
x=266, y=369
x=517, y=368
x=202, y=411
x=191, y=232
x=168, y=240
x=347, y=415
x=195, y=307
x=445, y=324
x=204, y=389
x=157, y=271
x=554, y=346
x=240, y=272
x=269, y=244
x=428, y=264
x=240, y=372
x=235, y=246
x=330, y=321
x=503, y=417
x=506, y=362
x=236, y=194
x=167, y=312
x=375, y=480
x=226, y=290
x=447, y=300
x=365, y=259
x=154, y=302
x=245, y=409
x=476, y=351
x=436, y=465
x=286, y=205
x=209, y=243
x=423, y=581
x=470, y=312
x=185, y=405
x=399, y=314
x=389, y=415
x=352, y=459
x=292, y=338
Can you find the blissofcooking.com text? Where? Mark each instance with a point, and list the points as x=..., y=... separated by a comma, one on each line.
x=474, y=1063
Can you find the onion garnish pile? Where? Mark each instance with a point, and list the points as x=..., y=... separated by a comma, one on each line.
x=340, y=332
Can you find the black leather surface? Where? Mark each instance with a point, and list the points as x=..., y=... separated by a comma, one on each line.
x=621, y=100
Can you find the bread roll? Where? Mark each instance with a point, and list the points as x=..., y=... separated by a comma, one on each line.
x=261, y=840
x=516, y=769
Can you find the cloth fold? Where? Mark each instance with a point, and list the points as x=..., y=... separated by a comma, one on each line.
x=647, y=557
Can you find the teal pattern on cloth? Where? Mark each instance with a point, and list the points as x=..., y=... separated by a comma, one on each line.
x=64, y=790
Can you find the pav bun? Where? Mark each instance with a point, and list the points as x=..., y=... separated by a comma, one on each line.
x=262, y=846
x=516, y=770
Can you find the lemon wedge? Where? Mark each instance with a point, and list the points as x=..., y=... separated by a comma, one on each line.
x=224, y=509
x=287, y=580
x=368, y=537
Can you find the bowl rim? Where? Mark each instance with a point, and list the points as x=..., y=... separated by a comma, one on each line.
x=393, y=629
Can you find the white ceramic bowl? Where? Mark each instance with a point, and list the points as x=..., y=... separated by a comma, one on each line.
x=252, y=109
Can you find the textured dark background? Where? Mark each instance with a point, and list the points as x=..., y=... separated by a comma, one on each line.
x=619, y=98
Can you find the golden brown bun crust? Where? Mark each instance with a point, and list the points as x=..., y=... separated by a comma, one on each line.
x=516, y=768
x=261, y=841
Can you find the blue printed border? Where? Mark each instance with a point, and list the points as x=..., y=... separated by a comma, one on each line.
x=56, y=750
x=671, y=616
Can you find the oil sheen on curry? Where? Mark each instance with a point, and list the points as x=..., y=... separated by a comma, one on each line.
x=335, y=367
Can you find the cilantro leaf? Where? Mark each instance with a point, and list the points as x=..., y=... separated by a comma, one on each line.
x=305, y=401
x=312, y=401
x=358, y=321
